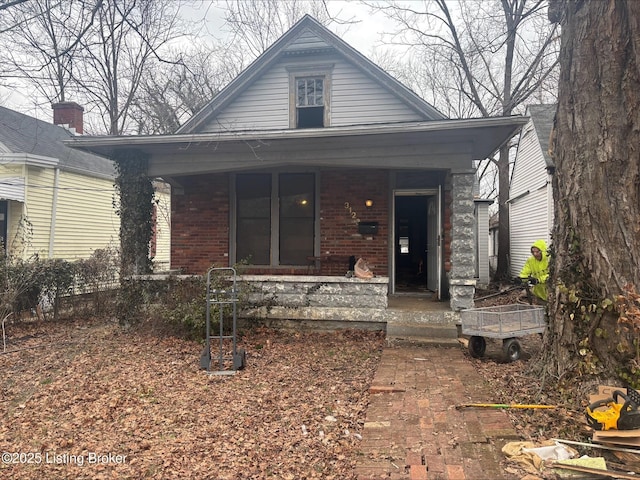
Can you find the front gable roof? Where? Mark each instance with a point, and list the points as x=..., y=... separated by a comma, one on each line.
x=43, y=144
x=307, y=36
x=542, y=117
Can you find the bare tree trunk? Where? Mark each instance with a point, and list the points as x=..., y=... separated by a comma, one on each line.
x=504, y=187
x=596, y=238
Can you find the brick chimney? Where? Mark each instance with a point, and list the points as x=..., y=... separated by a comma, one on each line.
x=69, y=115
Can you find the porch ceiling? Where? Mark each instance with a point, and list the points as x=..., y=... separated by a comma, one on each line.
x=450, y=144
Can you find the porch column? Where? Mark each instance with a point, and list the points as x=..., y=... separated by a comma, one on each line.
x=135, y=209
x=462, y=274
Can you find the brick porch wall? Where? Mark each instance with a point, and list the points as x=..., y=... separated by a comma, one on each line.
x=338, y=224
x=200, y=223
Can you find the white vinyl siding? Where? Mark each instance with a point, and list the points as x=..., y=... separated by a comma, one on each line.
x=264, y=106
x=357, y=99
x=306, y=40
x=37, y=211
x=529, y=170
x=354, y=99
x=16, y=211
x=85, y=218
x=531, y=206
x=526, y=226
x=482, y=241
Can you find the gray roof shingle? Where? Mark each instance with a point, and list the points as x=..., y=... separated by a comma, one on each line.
x=21, y=133
x=542, y=117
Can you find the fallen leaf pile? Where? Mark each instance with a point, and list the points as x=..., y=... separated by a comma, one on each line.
x=519, y=383
x=92, y=401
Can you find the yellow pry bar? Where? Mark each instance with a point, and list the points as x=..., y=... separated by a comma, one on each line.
x=501, y=405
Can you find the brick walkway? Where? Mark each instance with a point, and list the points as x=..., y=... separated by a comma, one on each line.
x=413, y=430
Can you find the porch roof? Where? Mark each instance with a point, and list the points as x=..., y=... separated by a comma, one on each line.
x=432, y=144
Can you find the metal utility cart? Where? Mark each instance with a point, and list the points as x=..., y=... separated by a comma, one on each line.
x=223, y=296
x=505, y=322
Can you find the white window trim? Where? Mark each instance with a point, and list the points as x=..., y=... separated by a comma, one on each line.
x=309, y=71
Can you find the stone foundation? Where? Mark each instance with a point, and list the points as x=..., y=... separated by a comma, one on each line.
x=316, y=298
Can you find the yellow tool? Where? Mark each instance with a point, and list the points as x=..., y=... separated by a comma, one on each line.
x=604, y=419
x=501, y=405
x=617, y=416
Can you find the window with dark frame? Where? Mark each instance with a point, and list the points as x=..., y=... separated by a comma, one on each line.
x=253, y=218
x=293, y=230
x=297, y=217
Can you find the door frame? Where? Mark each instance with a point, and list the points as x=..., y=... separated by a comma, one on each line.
x=423, y=192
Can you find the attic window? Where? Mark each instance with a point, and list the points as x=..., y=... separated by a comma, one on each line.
x=309, y=95
x=310, y=102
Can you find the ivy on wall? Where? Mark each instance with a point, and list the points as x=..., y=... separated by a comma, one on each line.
x=135, y=208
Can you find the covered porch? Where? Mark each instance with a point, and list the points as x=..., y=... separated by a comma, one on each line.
x=334, y=302
x=419, y=176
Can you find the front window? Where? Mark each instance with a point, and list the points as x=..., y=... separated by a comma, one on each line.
x=309, y=95
x=310, y=102
x=296, y=218
x=275, y=218
x=254, y=218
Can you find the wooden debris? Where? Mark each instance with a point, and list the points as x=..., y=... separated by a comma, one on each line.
x=594, y=471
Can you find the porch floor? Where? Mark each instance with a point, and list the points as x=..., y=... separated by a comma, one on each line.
x=416, y=302
x=420, y=318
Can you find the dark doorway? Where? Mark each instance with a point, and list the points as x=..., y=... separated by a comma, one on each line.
x=411, y=243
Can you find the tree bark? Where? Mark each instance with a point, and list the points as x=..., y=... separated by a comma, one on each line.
x=504, y=188
x=596, y=186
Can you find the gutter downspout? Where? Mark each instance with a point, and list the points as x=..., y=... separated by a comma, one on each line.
x=54, y=210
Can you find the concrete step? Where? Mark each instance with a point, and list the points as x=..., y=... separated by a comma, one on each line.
x=422, y=332
x=424, y=341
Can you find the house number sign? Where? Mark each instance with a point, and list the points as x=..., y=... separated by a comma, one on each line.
x=352, y=214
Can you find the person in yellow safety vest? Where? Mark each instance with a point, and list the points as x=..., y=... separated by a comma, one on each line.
x=536, y=269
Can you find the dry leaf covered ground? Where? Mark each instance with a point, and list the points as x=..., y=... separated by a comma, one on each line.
x=519, y=383
x=89, y=400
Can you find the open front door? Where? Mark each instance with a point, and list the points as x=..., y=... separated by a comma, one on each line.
x=416, y=261
x=434, y=257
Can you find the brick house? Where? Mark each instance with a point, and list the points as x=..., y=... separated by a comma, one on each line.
x=312, y=155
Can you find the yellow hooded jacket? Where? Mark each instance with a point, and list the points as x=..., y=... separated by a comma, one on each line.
x=538, y=269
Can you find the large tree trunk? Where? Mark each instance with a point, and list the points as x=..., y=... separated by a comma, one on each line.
x=596, y=237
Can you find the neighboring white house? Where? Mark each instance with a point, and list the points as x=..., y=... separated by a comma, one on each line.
x=483, y=247
x=494, y=224
x=531, y=195
x=58, y=202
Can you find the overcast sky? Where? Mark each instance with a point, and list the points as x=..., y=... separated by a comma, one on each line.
x=363, y=34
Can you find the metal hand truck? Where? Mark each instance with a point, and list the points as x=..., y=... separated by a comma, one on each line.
x=224, y=297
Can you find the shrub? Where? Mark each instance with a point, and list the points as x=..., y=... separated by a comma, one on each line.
x=179, y=303
x=97, y=276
